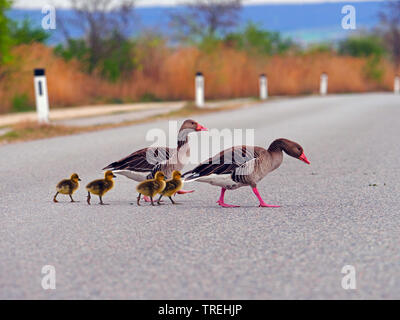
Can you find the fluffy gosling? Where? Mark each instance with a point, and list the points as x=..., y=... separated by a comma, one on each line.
x=151, y=187
x=172, y=186
x=67, y=186
x=101, y=187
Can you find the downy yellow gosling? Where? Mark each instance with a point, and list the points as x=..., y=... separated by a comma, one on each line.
x=101, y=187
x=67, y=186
x=151, y=187
x=172, y=186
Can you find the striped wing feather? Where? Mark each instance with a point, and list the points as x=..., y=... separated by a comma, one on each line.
x=225, y=162
x=142, y=160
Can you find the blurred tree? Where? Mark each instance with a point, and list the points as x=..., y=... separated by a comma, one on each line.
x=106, y=47
x=390, y=28
x=319, y=48
x=370, y=46
x=256, y=40
x=5, y=38
x=362, y=46
x=24, y=33
x=73, y=49
x=374, y=69
x=205, y=19
x=150, y=51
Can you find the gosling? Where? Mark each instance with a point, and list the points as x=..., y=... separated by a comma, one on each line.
x=172, y=186
x=101, y=187
x=151, y=187
x=67, y=186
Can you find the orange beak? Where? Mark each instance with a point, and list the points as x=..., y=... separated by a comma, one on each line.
x=201, y=128
x=304, y=158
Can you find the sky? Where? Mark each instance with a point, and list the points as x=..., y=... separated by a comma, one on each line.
x=64, y=3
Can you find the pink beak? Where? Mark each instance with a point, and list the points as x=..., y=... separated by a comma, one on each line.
x=201, y=128
x=304, y=158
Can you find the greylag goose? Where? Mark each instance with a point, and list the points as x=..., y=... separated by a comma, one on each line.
x=244, y=166
x=144, y=163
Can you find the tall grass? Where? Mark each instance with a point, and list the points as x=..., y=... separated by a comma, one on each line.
x=168, y=74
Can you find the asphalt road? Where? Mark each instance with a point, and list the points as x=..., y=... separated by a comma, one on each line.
x=332, y=215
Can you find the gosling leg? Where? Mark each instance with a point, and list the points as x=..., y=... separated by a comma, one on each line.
x=72, y=200
x=159, y=199
x=101, y=201
x=151, y=199
x=54, y=198
x=88, y=198
x=173, y=202
x=138, y=199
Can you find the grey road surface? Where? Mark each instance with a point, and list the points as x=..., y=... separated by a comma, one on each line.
x=344, y=209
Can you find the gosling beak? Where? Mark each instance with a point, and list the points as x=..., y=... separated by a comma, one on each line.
x=304, y=158
x=201, y=128
x=79, y=179
x=114, y=176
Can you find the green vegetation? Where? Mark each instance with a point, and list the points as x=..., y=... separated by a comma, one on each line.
x=149, y=97
x=10, y=135
x=151, y=62
x=5, y=38
x=24, y=33
x=73, y=49
x=115, y=101
x=113, y=61
x=256, y=40
x=119, y=61
x=365, y=46
x=373, y=69
x=320, y=48
x=209, y=44
x=20, y=103
x=369, y=46
x=13, y=33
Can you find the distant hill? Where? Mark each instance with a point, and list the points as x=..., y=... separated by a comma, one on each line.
x=305, y=23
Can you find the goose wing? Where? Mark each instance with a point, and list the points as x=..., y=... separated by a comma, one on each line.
x=142, y=160
x=225, y=162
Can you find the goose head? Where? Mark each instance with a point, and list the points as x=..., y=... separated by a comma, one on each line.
x=291, y=148
x=192, y=126
x=159, y=176
x=109, y=175
x=75, y=178
x=176, y=175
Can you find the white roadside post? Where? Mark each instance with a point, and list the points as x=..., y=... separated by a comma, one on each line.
x=323, y=89
x=397, y=85
x=42, y=99
x=199, y=87
x=263, y=87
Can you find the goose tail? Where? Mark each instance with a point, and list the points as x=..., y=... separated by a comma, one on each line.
x=190, y=176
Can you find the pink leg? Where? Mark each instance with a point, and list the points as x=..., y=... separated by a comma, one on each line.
x=147, y=199
x=221, y=200
x=184, y=191
x=262, y=203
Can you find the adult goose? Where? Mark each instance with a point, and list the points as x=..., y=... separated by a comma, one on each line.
x=144, y=163
x=244, y=166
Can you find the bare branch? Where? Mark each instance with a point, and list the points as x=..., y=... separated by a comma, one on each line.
x=390, y=22
x=206, y=18
x=105, y=24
